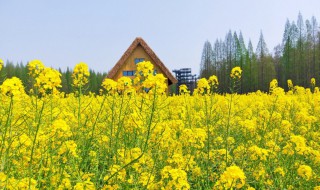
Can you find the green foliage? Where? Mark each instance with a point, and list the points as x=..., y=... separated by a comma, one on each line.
x=296, y=58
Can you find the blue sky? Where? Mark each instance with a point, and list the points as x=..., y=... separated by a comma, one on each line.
x=63, y=33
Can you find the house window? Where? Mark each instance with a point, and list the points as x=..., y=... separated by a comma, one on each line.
x=138, y=60
x=128, y=73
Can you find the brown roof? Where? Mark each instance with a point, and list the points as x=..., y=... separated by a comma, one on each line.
x=154, y=57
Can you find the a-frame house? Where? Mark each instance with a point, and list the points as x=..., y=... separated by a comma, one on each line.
x=139, y=51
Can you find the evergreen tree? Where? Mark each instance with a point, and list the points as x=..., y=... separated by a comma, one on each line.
x=286, y=48
x=301, y=39
x=262, y=52
x=308, y=51
x=277, y=66
x=296, y=58
x=252, y=69
x=315, y=62
x=206, y=69
x=293, y=51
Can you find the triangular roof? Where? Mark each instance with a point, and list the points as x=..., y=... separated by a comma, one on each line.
x=155, y=60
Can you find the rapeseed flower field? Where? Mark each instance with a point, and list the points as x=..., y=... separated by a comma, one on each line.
x=133, y=136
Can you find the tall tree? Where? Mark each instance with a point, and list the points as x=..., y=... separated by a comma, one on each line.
x=242, y=59
x=315, y=62
x=249, y=70
x=294, y=32
x=236, y=50
x=286, y=47
x=206, y=69
x=301, y=39
x=228, y=45
x=229, y=49
x=242, y=44
x=318, y=54
x=262, y=52
x=307, y=62
x=277, y=65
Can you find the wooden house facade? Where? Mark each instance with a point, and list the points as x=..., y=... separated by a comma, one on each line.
x=139, y=51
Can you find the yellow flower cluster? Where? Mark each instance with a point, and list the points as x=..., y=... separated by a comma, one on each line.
x=313, y=81
x=177, y=178
x=35, y=67
x=273, y=85
x=193, y=138
x=124, y=84
x=126, y=139
x=155, y=83
x=68, y=147
x=145, y=81
x=233, y=177
x=236, y=73
x=109, y=85
x=290, y=84
x=144, y=69
x=203, y=87
x=12, y=87
x=115, y=169
x=280, y=171
x=80, y=74
x=47, y=80
x=183, y=89
x=305, y=172
x=213, y=81
x=1, y=64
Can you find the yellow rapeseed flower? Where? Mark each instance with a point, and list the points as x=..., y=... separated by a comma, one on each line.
x=121, y=174
x=305, y=172
x=170, y=142
x=290, y=84
x=135, y=153
x=25, y=140
x=155, y=82
x=24, y=184
x=175, y=178
x=35, y=67
x=85, y=185
x=3, y=178
x=280, y=171
x=109, y=85
x=273, y=85
x=213, y=81
x=48, y=81
x=65, y=184
x=183, y=89
x=124, y=85
x=12, y=87
x=68, y=147
x=203, y=86
x=1, y=64
x=80, y=74
x=144, y=69
x=233, y=177
x=146, y=178
x=236, y=73
x=313, y=81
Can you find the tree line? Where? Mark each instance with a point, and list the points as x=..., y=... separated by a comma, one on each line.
x=297, y=58
x=21, y=71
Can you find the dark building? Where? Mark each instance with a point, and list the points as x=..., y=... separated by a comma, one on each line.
x=184, y=76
